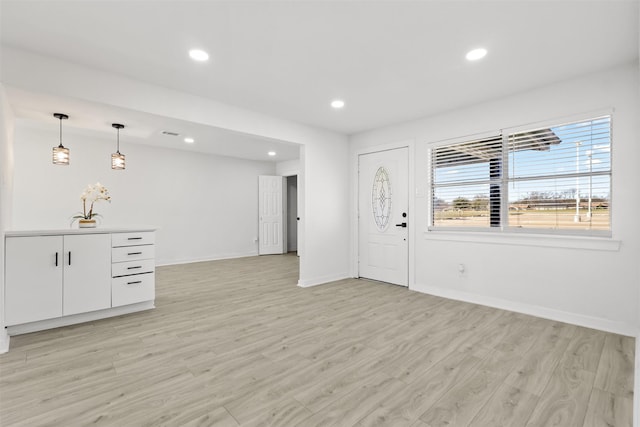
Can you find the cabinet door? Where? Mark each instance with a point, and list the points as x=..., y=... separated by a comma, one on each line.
x=33, y=282
x=87, y=273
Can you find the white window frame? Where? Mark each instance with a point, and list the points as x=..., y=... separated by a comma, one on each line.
x=504, y=228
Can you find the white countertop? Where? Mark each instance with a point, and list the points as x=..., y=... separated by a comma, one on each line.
x=63, y=231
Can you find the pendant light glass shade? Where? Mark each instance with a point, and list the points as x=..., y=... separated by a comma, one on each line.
x=60, y=153
x=117, y=161
x=117, y=158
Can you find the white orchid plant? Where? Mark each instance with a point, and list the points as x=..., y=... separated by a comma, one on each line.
x=92, y=194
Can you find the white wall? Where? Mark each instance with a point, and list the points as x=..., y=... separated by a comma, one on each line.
x=206, y=207
x=636, y=394
x=325, y=214
x=593, y=286
x=323, y=229
x=6, y=194
x=288, y=168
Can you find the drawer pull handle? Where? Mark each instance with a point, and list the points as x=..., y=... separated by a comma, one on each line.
x=56, y=259
x=134, y=283
x=134, y=238
x=134, y=253
x=133, y=268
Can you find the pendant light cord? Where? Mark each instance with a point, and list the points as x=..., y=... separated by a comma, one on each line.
x=117, y=127
x=60, y=146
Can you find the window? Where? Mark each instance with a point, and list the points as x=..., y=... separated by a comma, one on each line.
x=464, y=176
x=555, y=178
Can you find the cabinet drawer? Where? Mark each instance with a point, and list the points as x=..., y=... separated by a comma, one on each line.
x=133, y=267
x=133, y=253
x=132, y=289
x=132, y=239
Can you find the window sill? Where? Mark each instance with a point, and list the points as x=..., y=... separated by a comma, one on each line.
x=518, y=239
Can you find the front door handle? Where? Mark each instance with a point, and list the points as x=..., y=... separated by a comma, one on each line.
x=403, y=225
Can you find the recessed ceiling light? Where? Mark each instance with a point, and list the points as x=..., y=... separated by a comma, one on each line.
x=198, y=55
x=475, y=54
x=189, y=140
x=271, y=153
x=337, y=103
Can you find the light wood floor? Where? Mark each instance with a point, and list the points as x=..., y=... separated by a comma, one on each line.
x=235, y=342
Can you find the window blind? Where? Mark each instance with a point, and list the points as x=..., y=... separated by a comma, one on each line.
x=552, y=178
x=464, y=181
x=560, y=177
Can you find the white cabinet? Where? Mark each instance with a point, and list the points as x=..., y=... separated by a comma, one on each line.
x=86, y=282
x=54, y=278
x=132, y=289
x=33, y=278
x=133, y=239
x=133, y=253
x=133, y=268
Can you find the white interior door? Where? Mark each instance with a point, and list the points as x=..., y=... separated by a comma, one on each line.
x=383, y=210
x=271, y=206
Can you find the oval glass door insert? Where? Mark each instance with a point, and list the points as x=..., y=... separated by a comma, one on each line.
x=381, y=199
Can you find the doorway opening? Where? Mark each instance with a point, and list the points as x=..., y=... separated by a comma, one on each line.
x=292, y=214
x=278, y=214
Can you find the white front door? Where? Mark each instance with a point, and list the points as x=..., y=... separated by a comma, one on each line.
x=271, y=206
x=383, y=212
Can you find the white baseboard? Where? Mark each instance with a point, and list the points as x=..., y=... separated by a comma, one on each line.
x=161, y=263
x=533, y=310
x=322, y=280
x=58, y=322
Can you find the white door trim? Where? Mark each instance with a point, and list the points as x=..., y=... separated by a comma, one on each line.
x=413, y=233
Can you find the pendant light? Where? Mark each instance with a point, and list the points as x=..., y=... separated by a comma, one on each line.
x=117, y=159
x=60, y=153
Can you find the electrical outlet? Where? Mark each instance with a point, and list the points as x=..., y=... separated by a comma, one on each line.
x=461, y=269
